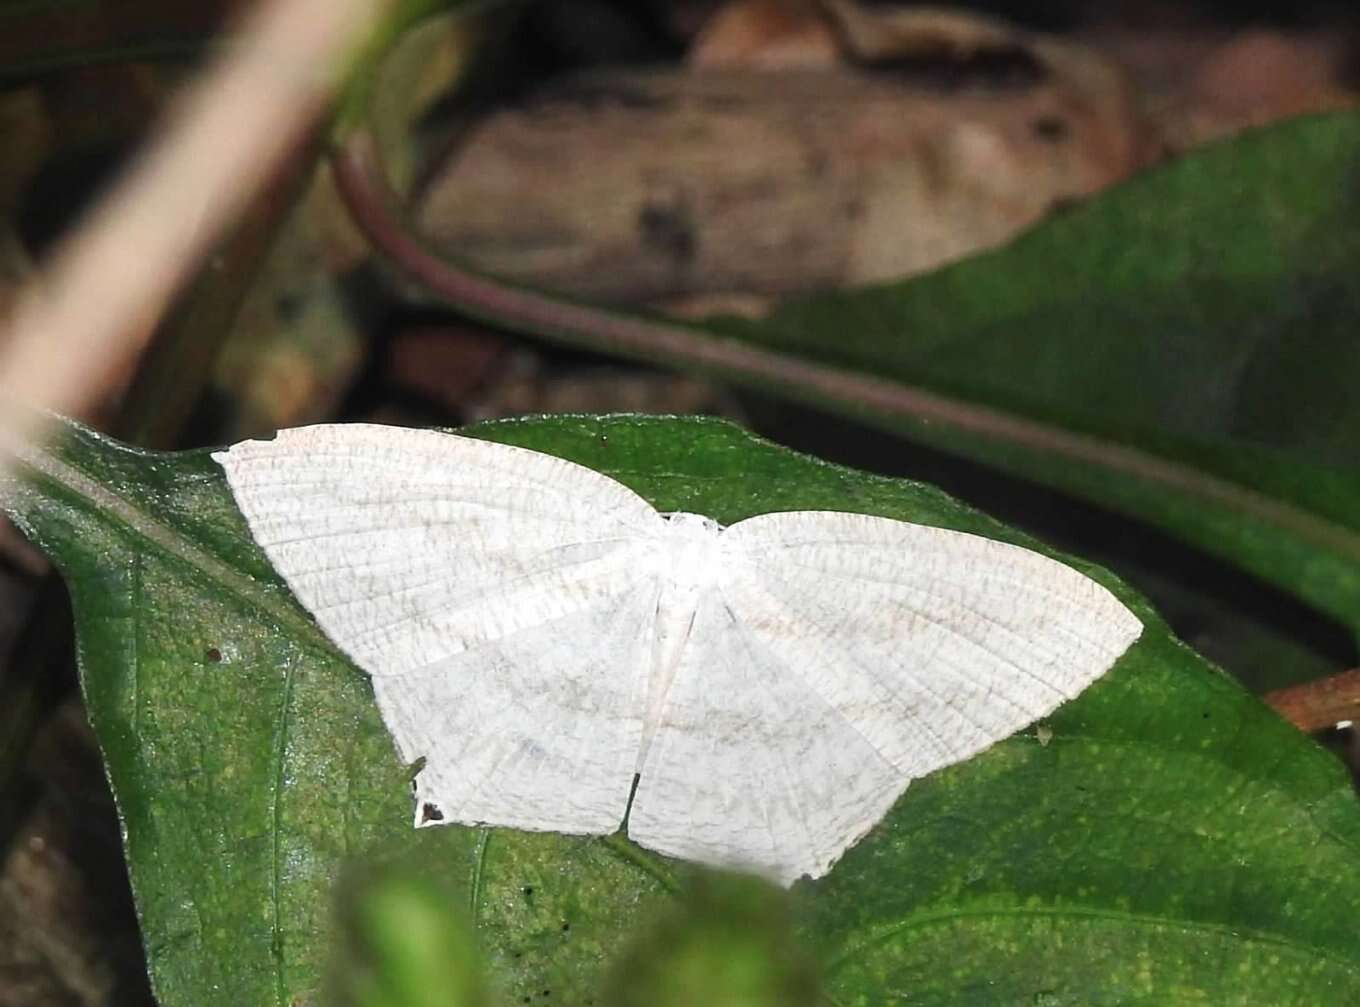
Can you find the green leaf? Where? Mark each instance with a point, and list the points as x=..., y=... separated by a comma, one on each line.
x=1189, y=336
x=1164, y=838
x=1177, y=349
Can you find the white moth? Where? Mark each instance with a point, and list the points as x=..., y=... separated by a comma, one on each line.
x=541, y=635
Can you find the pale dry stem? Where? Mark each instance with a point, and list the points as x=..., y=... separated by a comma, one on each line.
x=86, y=319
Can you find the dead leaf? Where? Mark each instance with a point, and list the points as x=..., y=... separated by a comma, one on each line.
x=885, y=34
x=637, y=187
x=767, y=34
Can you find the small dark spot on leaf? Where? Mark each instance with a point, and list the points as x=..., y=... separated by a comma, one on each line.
x=524, y=999
x=528, y=891
x=213, y=655
x=566, y=927
x=1052, y=128
x=547, y=993
x=1206, y=714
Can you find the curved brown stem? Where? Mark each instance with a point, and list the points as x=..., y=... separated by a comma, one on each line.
x=376, y=209
x=1319, y=705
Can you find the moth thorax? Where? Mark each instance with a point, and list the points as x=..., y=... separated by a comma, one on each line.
x=695, y=550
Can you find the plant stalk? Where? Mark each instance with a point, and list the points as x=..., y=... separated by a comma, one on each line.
x=1321, y=704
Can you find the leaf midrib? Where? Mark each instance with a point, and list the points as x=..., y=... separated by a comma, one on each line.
x=136, y=521
x=113, y=507
x=1082, y=914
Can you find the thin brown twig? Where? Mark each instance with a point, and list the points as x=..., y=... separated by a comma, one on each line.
x=1321, y=704
x=364, y=186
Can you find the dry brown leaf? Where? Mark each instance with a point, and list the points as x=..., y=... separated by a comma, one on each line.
x=598, y=390
x=773, y=34
x=445, y=364
x=768, y=34
x=1201, y=83
x=1259, y=77
x=635, y=187
x=884, y=34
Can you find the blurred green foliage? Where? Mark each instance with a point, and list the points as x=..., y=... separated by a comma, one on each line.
x=406, y=942
x=728, y=942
